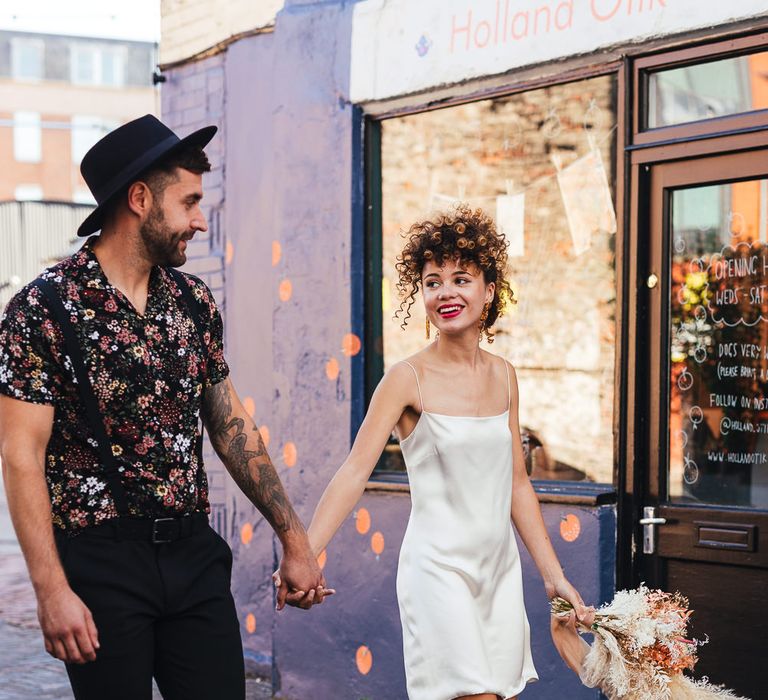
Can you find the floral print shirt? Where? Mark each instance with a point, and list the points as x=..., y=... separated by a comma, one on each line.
x=148, y=373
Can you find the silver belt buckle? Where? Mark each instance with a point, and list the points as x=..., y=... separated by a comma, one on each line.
x=157, y=537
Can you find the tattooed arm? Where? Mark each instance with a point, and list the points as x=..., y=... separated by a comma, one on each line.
x=238, y=443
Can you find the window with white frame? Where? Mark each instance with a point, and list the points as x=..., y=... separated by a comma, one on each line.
x=97, y=64
x=82, y=195
x=28, y=193
x=27, y=58
x=86, y=131
x=27, y=137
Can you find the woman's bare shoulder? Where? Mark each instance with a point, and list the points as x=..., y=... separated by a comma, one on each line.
x=499, y=360
x=417, y=361
x=401, y=373
x=398, y=387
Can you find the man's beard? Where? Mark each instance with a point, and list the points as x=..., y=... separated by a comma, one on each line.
x=161, y=241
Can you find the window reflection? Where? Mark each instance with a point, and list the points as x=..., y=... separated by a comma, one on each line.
x=707, y=90
x=541, y=163
x=719, y=345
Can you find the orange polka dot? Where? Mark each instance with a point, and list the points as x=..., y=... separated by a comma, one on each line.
x=364, y=659
x=332, y=369
x=322, y=559
x=363, y=521
x=264, y=430
x=249, y=406
x=377, y=542
x=229, y=253
x=277, y=252
x=250, y=623
x=246, y=533
x=286, y=290
x=570, y=527
x=351, y=345
x=289, y=454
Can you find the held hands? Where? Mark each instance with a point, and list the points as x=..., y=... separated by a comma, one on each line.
x=299, y=581
x=67, y=625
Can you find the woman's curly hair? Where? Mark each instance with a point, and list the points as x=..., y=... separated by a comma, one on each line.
x=464, y=234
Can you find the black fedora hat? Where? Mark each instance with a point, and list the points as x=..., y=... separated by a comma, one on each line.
x=116, y=160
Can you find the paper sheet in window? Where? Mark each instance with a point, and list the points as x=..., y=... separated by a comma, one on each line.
x=587, y=200
x=510, y=218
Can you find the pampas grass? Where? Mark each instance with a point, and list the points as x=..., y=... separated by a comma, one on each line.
x=641, y=650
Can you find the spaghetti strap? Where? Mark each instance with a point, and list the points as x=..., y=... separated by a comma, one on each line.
x=509, y=386
x=418, y=386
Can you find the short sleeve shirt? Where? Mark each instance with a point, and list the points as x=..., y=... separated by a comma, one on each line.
x=148, y=373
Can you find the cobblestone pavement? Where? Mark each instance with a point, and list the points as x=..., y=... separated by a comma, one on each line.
x=27, y=672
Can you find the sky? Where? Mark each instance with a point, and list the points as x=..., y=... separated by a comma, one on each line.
x=115, y=19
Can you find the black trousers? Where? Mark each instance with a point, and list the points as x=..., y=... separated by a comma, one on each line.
x=162, y=610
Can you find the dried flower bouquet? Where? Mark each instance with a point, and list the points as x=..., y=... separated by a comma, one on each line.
x=640, y=649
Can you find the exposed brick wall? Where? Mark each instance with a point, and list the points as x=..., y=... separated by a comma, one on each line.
x=57, y=102
x=561, y=335
x=193, y=97
x=191, y=26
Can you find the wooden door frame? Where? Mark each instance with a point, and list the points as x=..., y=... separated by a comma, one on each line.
x=690, y=56
x=652, y=170
x=642, y=150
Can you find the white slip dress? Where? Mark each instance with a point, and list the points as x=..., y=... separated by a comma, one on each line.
x=459, y=582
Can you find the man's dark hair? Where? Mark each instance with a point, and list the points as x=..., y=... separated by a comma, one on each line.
x=163, y=173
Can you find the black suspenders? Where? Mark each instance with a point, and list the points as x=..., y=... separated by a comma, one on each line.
x=73, y=349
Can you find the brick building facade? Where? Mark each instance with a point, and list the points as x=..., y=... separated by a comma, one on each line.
x=58, y=96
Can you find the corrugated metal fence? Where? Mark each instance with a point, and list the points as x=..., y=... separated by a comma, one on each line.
x=34, y=235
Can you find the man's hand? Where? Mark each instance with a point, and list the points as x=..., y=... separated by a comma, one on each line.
x=299, y=581
x=67, y=624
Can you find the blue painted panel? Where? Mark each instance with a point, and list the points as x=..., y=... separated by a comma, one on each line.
x=365, y=611
x=589, y=571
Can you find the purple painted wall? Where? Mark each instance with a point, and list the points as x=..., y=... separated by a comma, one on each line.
x=279, y=259
x=288, y=221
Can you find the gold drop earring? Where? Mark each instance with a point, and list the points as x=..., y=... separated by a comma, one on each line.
x=483, y=318
x=427, y=327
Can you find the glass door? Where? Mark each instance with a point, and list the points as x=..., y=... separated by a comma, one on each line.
x=704, y=529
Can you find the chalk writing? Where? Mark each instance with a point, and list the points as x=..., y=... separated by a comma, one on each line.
x=738, y=284
x=731, y=425
x=738, y=457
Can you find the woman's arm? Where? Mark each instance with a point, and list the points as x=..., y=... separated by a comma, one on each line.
x=395, y=392
x=526, y=515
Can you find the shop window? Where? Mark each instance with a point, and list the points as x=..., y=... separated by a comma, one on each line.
x=86, y=131
x=702, y=90
x=97, y=65
x=542, y=164
x=27, y=59
x=28, y=193
x=27, y=137
x=708, y=90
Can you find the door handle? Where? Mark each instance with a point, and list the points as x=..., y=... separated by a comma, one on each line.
x=649, y=521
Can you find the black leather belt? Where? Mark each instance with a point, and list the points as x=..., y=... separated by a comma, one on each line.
x=156, y=531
